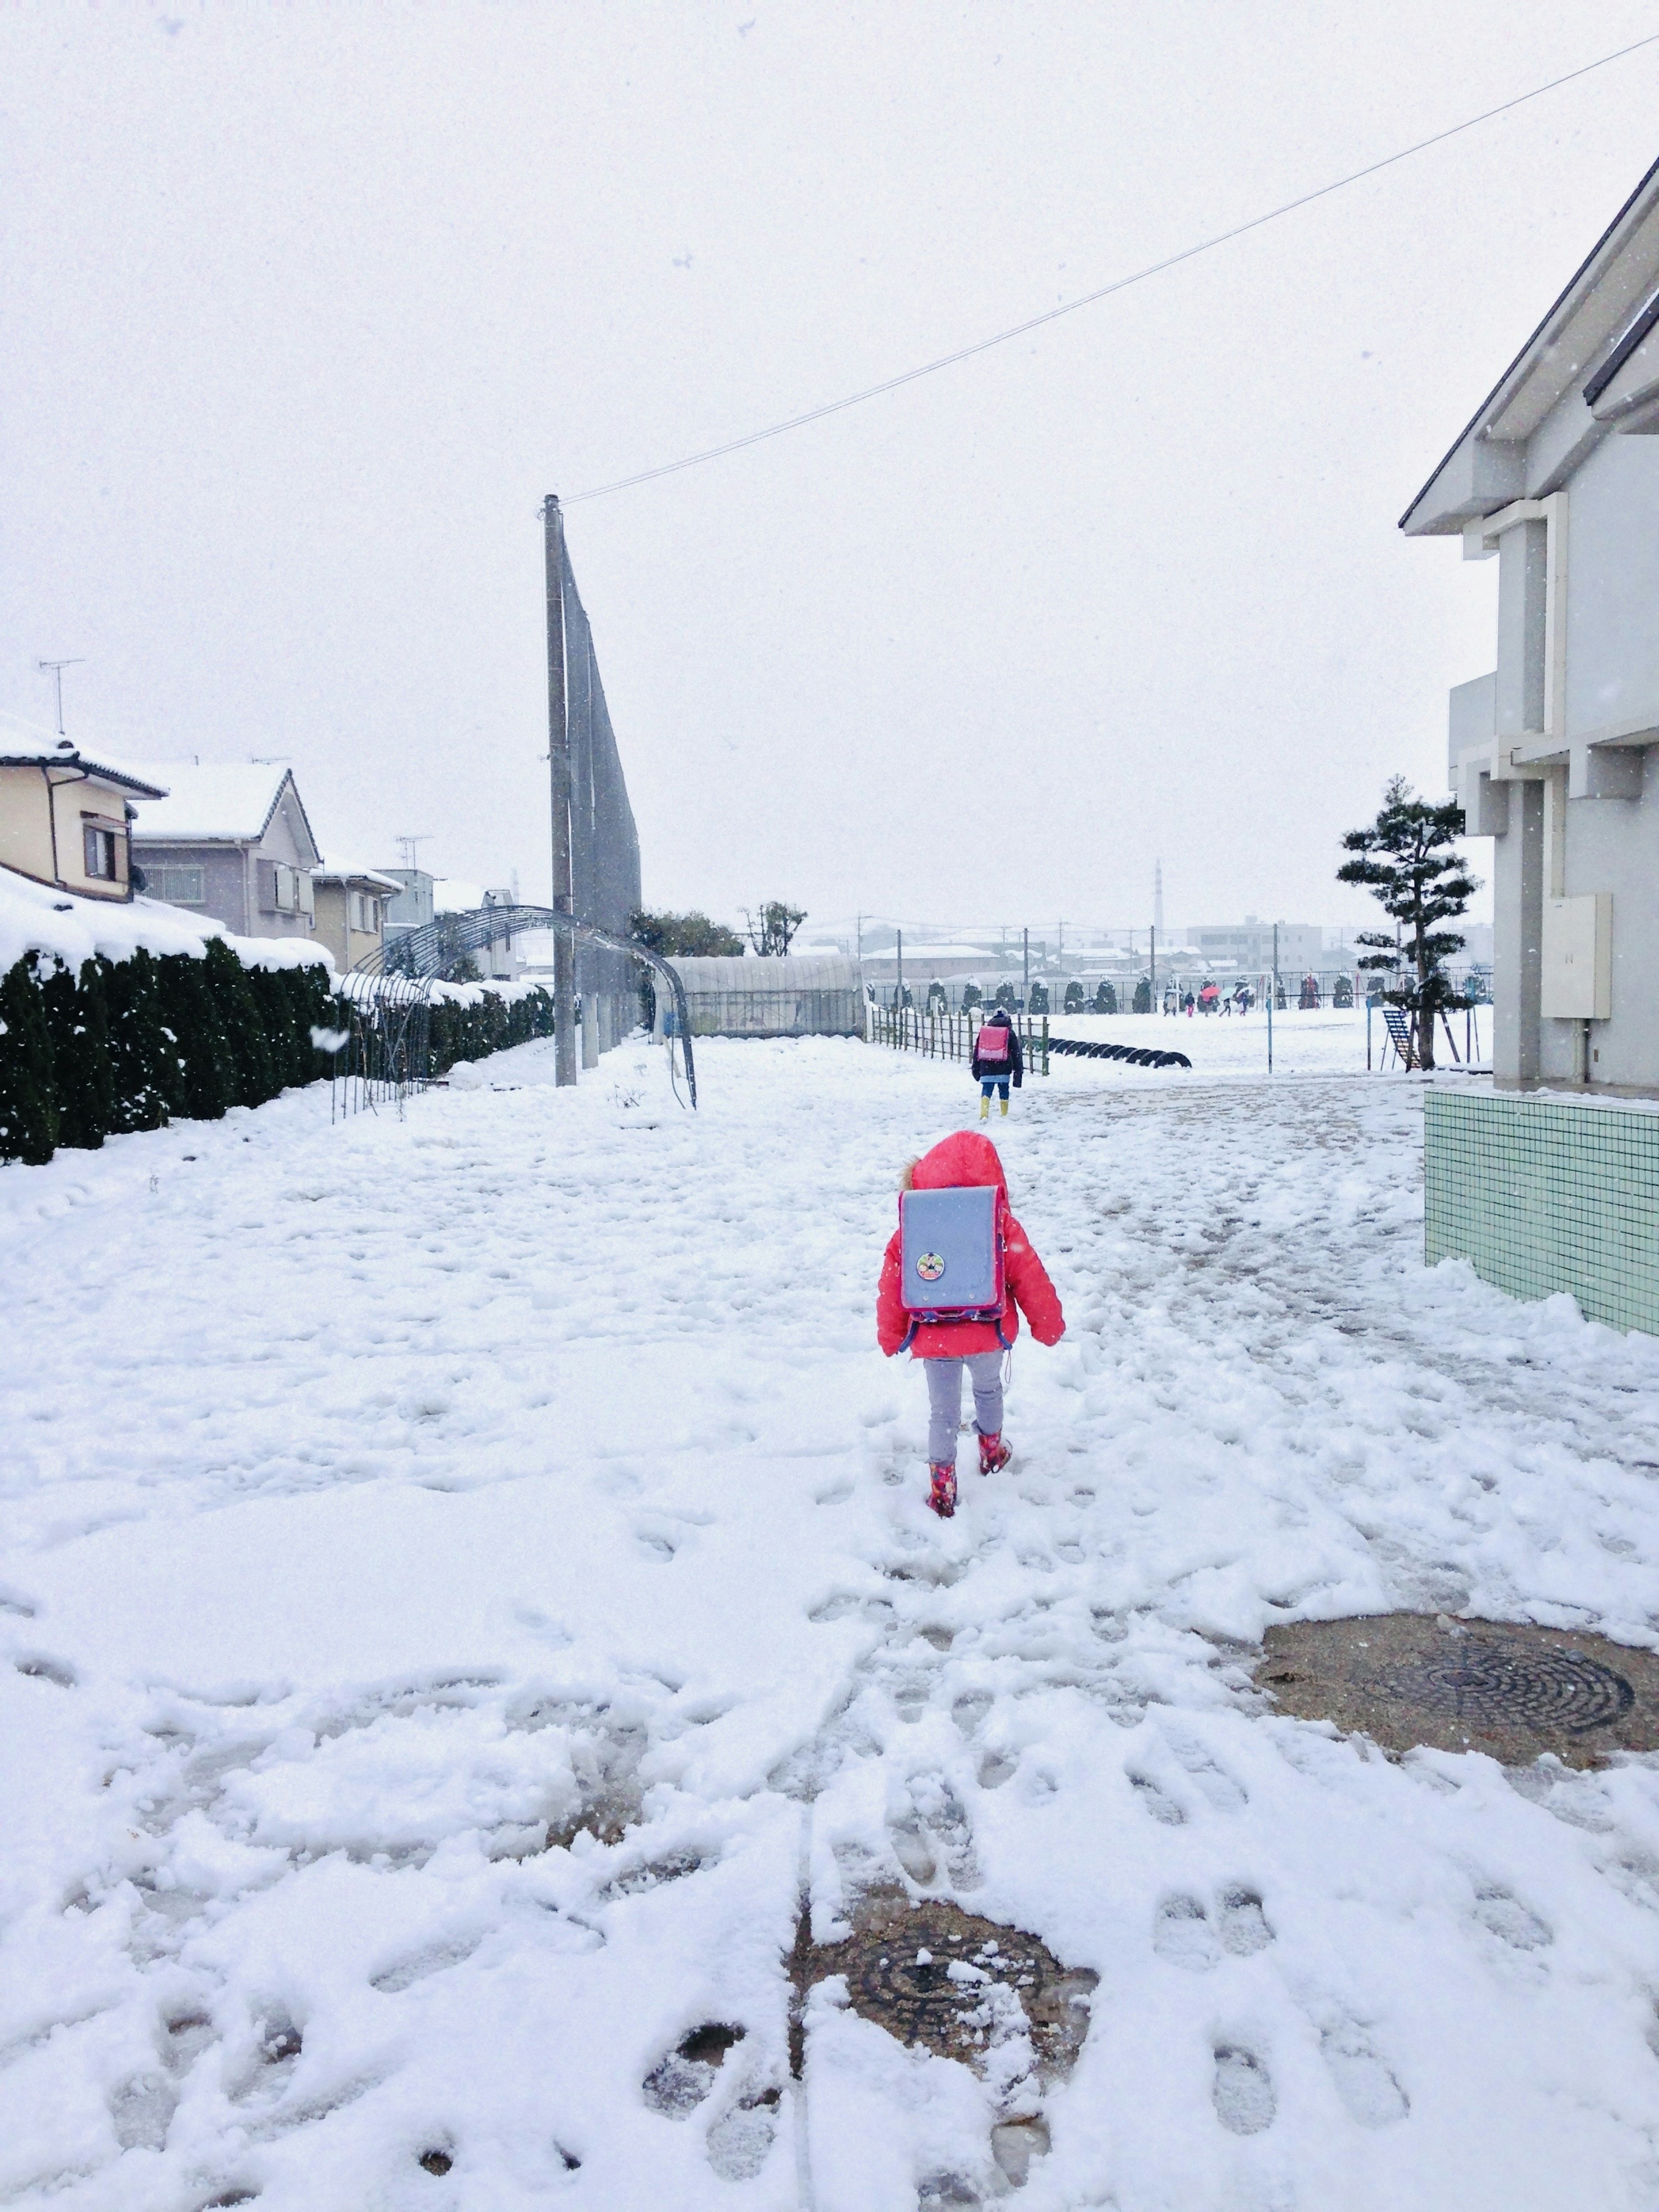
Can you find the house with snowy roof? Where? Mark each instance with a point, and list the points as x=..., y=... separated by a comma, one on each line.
x=351, y=909
x=1553, y=757
x=232, y=840
x=65, y=818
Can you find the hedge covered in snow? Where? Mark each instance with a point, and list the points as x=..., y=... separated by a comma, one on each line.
x=469, y=1021
x=115, y=1017
x=128, y=1044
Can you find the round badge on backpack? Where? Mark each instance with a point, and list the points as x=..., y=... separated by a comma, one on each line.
x=930, y=1266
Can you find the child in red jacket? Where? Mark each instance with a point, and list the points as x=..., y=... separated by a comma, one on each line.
x=961, y=1161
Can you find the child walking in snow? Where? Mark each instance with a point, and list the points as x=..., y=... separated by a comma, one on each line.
x=997, y=1060
x=965, y=1161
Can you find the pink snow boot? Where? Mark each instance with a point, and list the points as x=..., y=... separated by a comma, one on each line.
x=993, y=1453
x=942, y=1497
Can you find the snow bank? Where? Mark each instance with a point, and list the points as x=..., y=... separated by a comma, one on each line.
x=33, y=917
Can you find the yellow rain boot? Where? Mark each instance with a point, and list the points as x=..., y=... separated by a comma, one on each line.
x=984, y=1109
x=1004, y=1103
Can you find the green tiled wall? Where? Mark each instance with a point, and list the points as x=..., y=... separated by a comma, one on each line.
x=1543, y=1195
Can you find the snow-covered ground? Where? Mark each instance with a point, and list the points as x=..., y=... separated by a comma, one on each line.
x=382, y=1496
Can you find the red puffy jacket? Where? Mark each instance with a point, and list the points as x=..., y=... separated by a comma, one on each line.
x=958, y=1162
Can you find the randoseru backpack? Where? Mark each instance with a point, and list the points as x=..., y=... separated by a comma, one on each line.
x=992, y=1043
x=951, y=1256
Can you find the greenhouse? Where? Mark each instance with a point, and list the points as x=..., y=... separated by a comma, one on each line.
x=809, y=994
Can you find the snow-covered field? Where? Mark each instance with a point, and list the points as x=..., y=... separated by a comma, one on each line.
x=383, y=1498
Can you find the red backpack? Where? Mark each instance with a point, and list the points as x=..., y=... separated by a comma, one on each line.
x=992, y=1043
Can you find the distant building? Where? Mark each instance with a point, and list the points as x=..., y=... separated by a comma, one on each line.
x=1552, y=756
x=1246, y=947
x=65, y=820
x=410, y=907
x=351, y=911
x=232, y=841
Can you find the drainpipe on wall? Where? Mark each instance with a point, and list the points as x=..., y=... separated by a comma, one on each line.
x=52, y=822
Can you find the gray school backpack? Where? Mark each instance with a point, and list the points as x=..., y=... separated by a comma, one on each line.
x=950, y=1257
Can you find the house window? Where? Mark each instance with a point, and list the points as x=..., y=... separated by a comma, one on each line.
x=98, y=846
x=364, y=919
x=178, y=887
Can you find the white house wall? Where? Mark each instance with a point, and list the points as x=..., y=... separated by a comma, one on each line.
x=1613, y=588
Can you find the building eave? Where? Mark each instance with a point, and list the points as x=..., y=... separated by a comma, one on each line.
x=100, y=769
x=1484, y=468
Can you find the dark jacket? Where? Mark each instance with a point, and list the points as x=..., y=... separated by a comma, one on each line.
x=1014, y=1064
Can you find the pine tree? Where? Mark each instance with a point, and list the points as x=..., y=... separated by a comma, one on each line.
x=28, y=1104
x=1142, y=1001
x=1406, y=857
x=1036, y=1000
x=1105, y=998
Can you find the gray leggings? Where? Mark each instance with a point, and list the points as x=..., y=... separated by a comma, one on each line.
x=945, y=1401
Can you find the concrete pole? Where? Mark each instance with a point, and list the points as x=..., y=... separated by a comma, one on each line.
x=558, y=753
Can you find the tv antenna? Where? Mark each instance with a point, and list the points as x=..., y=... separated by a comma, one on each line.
x=409, y=849
x=57, y=668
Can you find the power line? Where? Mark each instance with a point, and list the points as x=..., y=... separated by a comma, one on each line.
x=1105, y=291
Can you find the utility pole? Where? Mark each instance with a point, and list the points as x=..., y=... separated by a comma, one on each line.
x=898, y=992
x=1154, y=966
x=558, y=750
x=57, y=668
x=1025, y=991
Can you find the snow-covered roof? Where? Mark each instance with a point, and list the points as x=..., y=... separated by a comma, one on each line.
x=820, y=971
x=450, y=895
x=40, y=918
x=229, y=802
x=24, y=745
x=341, y=871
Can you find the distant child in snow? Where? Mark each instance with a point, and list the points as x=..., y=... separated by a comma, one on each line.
x=997, y=1060
x=964, y=1162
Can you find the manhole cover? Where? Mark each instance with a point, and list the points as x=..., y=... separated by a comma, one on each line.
x=930, y=1973
x=1509, y=1690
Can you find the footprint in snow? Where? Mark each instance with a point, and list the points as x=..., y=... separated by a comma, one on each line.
x=1368, y=2089
x=970, y=1710
x=933, y=1824
x=1242, y=2090
x=679, y=2081
x=1218, y=1786
x=422, y=1966
x=739, y=2141
x=1507, y=1918
x=1183, y=1935
x=1240, y=1923
x=1158, y=1801
x=141, y=2113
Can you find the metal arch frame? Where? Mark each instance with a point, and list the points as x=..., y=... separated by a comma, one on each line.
x=430, y=951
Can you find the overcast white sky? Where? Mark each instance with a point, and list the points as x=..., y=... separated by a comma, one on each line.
x=305, y=308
